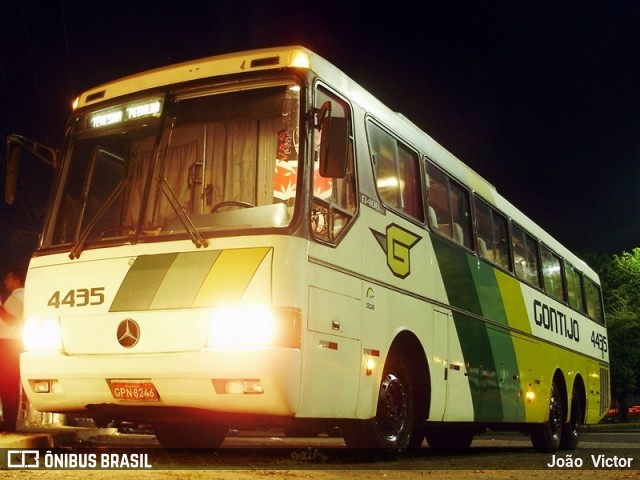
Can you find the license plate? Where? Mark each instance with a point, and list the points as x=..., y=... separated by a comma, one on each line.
x=137, y=391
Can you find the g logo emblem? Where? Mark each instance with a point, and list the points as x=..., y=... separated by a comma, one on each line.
x=397, y=243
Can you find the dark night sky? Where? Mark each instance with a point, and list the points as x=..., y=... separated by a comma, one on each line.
x=541, y=98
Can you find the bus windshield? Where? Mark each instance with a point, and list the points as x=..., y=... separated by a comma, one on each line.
x=183, y=164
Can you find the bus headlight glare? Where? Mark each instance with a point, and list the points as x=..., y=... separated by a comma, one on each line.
x=42, y=334
x=242, y=326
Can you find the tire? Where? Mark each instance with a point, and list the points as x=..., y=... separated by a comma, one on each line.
x=390, y=431
x=546, y=436
x=449, y=437
x=571, y=429
x=202, y=435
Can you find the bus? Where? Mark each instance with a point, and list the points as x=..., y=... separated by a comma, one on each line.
x=253, y=238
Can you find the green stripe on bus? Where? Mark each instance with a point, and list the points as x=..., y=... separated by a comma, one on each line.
x=141, y=283
x=184, y=280
x=481, y=370
x=486, y=285
x=473, y=286
x=507, y=374
x=189, y=279
x=457, y=276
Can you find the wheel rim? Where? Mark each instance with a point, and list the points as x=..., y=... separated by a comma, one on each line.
x=575, y=428
x=392, y=408
x=555, y=417
x=576, y=416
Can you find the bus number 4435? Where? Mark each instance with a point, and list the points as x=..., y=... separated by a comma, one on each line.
x=599, y=341
x=79, y=297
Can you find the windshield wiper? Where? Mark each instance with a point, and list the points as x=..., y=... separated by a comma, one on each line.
x=196, y=237
x=78, y=247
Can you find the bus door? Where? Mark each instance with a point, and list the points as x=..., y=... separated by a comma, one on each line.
x=450, y=395
x=332, y=352
x=440, y=365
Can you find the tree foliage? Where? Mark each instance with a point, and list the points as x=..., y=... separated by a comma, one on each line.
x=621, y=284
x=620, y=278
x=624, y=358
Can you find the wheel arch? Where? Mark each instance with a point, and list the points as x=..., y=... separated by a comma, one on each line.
x=407, y=346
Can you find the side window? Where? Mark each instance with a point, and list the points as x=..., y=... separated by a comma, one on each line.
x=526, y=261
x=552, y=274
x=334, y=199
x=397, y=172
x=574, y=287
x=594, y=301
x=493, y=235
x=449, y=211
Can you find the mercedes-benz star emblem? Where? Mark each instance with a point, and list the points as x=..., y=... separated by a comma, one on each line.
x=128, y=333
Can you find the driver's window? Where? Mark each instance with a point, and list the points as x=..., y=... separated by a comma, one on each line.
x=105, y=173
x=334, y=199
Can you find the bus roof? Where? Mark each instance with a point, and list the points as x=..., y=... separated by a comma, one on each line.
x=301, y=57
x=241, y=62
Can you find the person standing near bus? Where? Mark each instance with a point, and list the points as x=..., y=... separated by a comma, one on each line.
x=11, y=318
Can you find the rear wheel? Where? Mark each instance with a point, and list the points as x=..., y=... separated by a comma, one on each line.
x=204, y=435
x=571, y=430
x=390, y=431
x=546, y=436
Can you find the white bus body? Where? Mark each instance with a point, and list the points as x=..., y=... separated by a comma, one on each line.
x=254, y=236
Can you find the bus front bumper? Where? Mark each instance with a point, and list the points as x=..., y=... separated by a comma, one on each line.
x=260, y=382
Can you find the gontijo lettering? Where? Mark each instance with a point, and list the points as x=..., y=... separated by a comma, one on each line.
x=556, y=321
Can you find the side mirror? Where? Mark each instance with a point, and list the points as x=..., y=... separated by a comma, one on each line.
x=334, y=146
x=14, y=152
x=15, y=145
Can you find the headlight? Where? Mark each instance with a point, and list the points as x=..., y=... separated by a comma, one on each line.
x=241, y=326
x=42, y=334
x=250, y=326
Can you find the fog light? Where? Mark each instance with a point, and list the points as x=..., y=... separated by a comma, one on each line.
x=530, y=396
x=40, y=386
x=238, y=386
x=45, y=386
x=253, y=387
x=233, y=386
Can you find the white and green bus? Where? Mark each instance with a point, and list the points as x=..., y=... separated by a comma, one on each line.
x=253, y=237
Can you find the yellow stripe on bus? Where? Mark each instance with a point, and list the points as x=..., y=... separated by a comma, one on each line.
x=513, y=302
x=230, y=275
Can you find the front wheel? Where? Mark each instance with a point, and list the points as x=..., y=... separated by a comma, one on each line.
x=391, y=429
x=546, y=436
x=205, y=435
